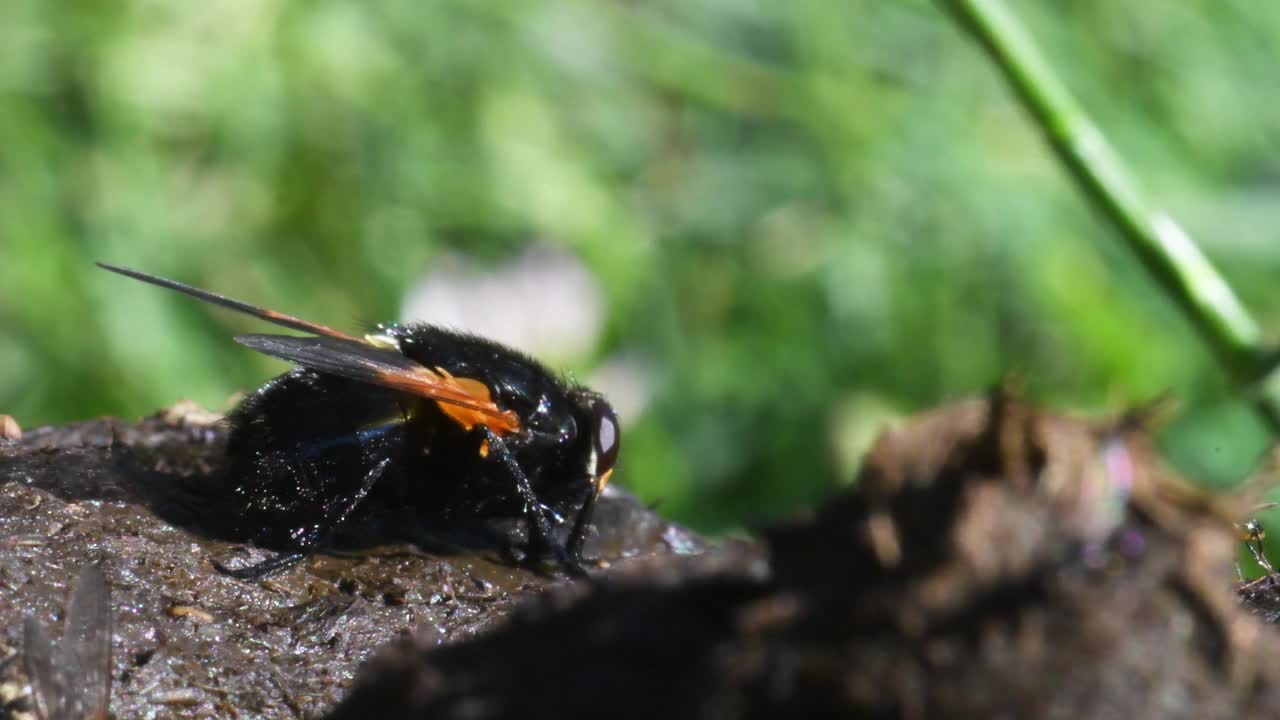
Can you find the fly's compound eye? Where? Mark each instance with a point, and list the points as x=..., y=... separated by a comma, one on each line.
x=607, y=439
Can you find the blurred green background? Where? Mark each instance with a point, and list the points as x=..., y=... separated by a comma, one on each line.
x=808, y=218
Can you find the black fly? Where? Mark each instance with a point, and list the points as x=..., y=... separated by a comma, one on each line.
x=436, y=420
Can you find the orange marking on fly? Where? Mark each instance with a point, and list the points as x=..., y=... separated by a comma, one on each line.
x=603, y=480
x=465, y=401
x=505, y=423
x=307, y=326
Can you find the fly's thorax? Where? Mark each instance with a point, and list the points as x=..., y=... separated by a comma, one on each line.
x=514, y=381
x=547, y=418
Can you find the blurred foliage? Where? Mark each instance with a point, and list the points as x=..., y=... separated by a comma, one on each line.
x=810, y=217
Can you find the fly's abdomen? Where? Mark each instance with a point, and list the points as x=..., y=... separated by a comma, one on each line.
x=301, y=443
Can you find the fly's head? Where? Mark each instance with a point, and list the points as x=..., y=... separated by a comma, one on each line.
x=604, y=436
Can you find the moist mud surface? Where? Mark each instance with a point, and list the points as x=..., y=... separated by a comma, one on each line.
x=992, y=560
x=140, y=501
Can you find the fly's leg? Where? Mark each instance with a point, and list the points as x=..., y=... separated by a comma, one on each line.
x=579, y=533
x=307, y=539
x=535, y=512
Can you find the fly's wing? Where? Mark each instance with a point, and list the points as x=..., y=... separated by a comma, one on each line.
x=465, y=400
x=360, y=361
x=86, y=647
x=38, y=656
x=214, y=298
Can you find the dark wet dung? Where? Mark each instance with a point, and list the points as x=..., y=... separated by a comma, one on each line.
x=992, y=561
x=191, y=642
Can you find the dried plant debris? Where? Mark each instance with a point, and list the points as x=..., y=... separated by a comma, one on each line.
x=186, y=413
x=191, y=642
x=9, y=429
x=992, y=561
x=73, y=681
